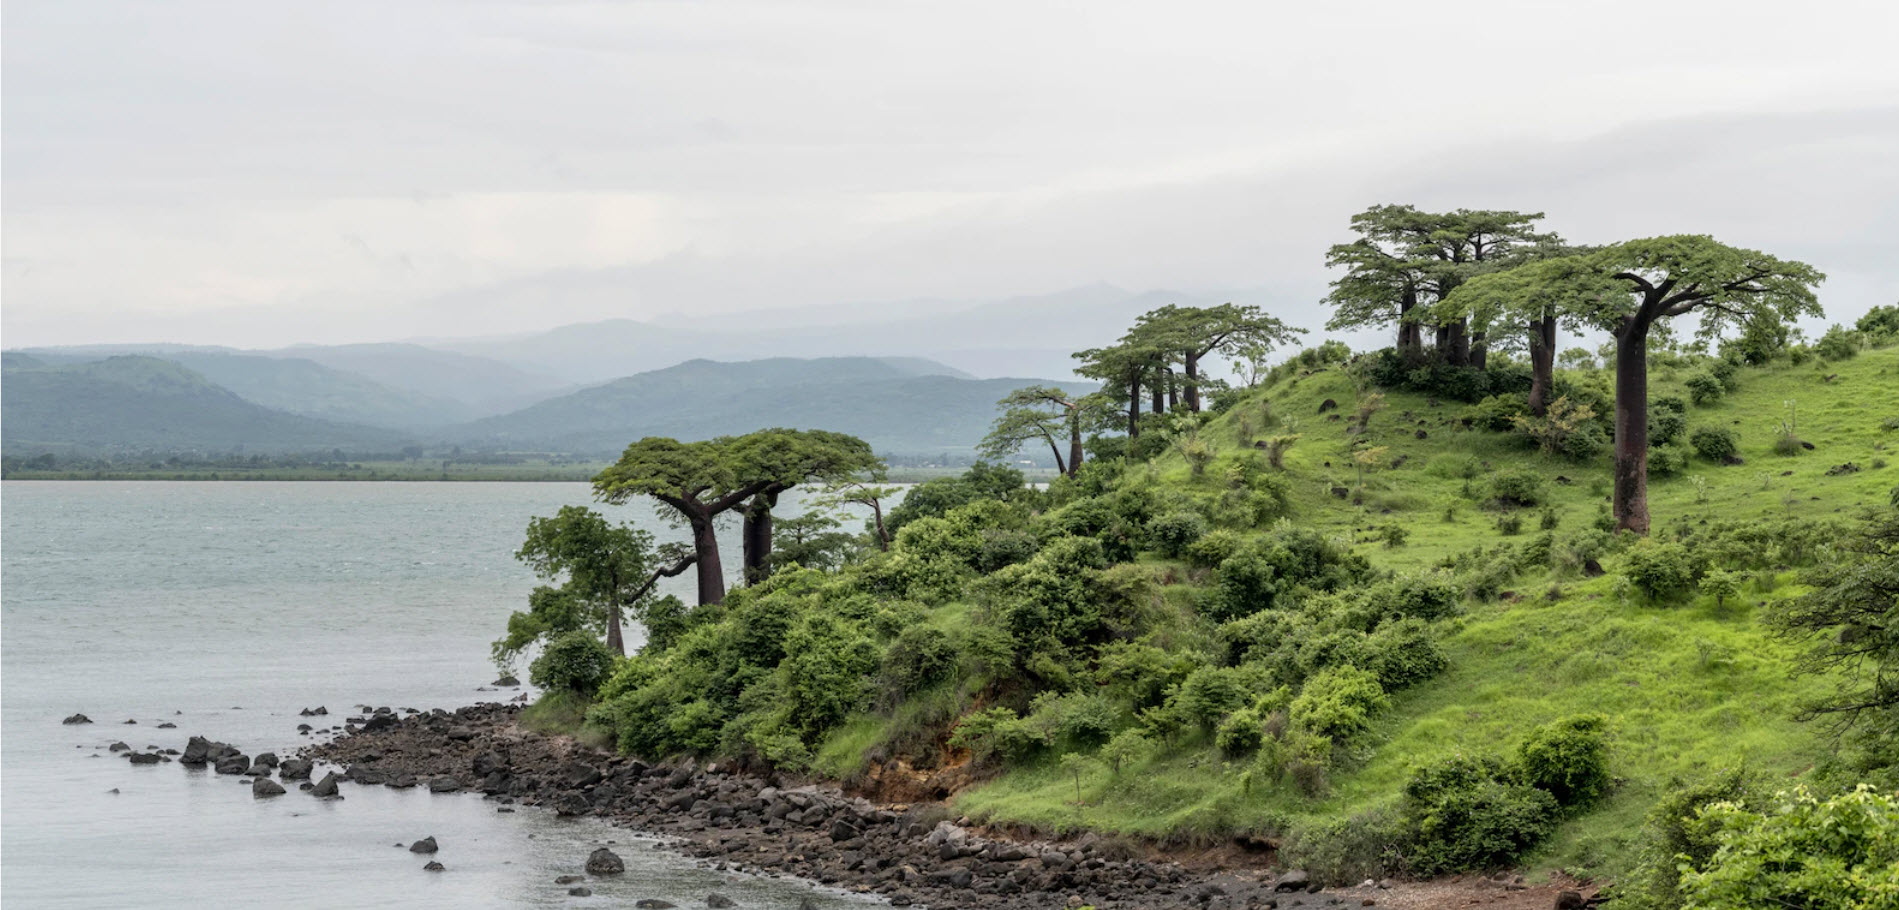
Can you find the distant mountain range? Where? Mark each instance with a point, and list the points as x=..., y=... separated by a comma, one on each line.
x=134, y=403
x=586, y=388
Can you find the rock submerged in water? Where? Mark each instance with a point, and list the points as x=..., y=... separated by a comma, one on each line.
x=434, y=866
x=425, y=845
x=718, y=901
x=145, y=758
x=653, y=903
x=444, y=785
x=326, y=788
x=296, y=769
x=605, y=862
x=77, y=719
x=265, y=787
x=506, y=681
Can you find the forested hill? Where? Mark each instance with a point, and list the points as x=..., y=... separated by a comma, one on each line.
x=143, y=403
x=898, y=405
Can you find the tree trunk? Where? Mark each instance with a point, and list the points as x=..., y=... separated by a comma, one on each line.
x=1456, y=345
x=756, y=535
x=883, y=536
x=1630, y=500
x=1193, y=381
x=1061, y=467
x=1134, y=406
x=1159, y=403
x=705, y=542
x=1074, y=442
x=1542, y=364
x=1173, y=389
x=1479, y=350
x=615, y=641
x=1410, y=334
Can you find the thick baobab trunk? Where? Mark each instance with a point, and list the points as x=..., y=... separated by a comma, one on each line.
x=1542, y=363
x=1479, y=350
x=1193, y=381
x=756, y=536
x=1456, y=345
x=1410, y=334
x=1134, y=406
x=705, y=542
x=1173, y=389
x=1159, y=404
x=1630, y=500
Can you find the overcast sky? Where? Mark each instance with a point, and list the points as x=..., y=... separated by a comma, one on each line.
x=259, y=173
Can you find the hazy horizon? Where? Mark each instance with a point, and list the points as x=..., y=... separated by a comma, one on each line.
x=258, y=176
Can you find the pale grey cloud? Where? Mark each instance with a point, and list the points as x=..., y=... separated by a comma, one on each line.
x=257, y=174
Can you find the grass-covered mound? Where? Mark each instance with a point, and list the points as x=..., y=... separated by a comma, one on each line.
x=1386, y=629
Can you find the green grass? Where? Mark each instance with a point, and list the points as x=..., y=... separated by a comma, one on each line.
x=563, y=714
x=1689, y=688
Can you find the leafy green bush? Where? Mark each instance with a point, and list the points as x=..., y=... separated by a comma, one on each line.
x=1241, y=733
x=920, y=657
x=1658, y=569
x=997, y=734
x=1344, y=851
x=1404, y=653
x=1667, y=461
x=1463, y=814
x=1517, y=487
x=1424, y=595
x=1338, y=703
x=1172, y=534
x=1568, y=759
x=1498, y=413
x=1838, y=344
x=1209, y=694
x=1714, y=443
x=1214, y=548
x=1667, y=421
x=572, y=662
x=1673, y=839
x=1835, y=854
x=1704, y=389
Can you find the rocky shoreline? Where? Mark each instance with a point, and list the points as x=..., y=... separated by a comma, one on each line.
x=907, y=854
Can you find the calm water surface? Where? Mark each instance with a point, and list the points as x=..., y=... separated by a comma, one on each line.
x=225, y=608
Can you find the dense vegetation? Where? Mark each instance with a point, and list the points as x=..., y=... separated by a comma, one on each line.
x=1376, y=609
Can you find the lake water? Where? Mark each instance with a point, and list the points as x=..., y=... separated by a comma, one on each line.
x=225, y=608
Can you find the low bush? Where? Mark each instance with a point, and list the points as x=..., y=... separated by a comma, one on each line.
x=1705, y=389
x=1660, y=570
x=1802, y=851
x=1463, y=814
x=573, y=662
x=1338, y=703
x=1716, y=444
x=1172, y=534
x=1517, y=487
x=1569, y=759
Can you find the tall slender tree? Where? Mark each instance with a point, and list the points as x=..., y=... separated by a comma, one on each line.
x=1046, y=414
x=1196, y=332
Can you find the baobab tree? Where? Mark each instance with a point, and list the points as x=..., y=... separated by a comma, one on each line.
x=1196, y=332
x=1047, y=414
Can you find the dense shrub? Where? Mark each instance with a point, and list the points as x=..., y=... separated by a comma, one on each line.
x=997, y=734
x=1569, y=759
x=1498, y=413
x=1660, y=570
x=1667, y=461
x=1338, y=703
x=1404, y=653
x=1517, y=487
x=1880, y=321
x=1209, y=694
x=1667, y=421
x=937, y=497
x=1715, y=443
x=1673, y=839
x=1241, y=733
x=1704, y=388
x=919, y=658
x=1425, y=595
x=1835, y=854
x=1838, y=344
x=1172, y=534
x=1463, y=814
x=1214, y=548
x=572, y=662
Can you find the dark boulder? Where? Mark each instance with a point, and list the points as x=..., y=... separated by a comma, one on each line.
x=568, y=879
x=77, y=719
x=488, y=763
x=145, y=758
x=118, y=747
x=325, y=787
x=508, y=681
x=234, y=763
x=605, y=862
x=433, y=866
x=718, y=901
x=379, y=722
x=264, y=786
x=1293, y=880
x=444, y=785
x=296, y=769
x=425, y=845
x=580, y=891
x=317, y=711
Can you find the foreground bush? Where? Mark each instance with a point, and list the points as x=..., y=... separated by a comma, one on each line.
x=1835, y=854
x=1465, y=813
x=574, y=662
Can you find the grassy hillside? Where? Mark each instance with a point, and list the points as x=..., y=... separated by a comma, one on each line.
x=895, y=404
x=1689, y=686
x=132, y=403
